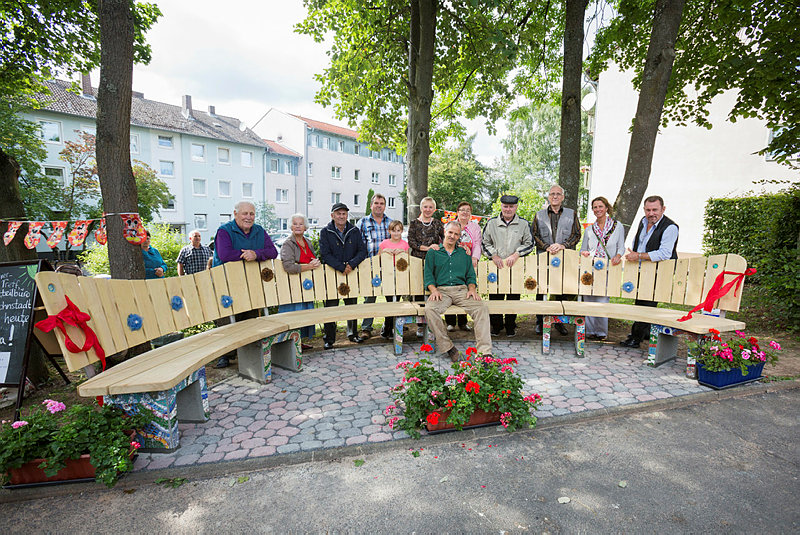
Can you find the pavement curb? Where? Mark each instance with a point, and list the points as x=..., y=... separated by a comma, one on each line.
x=232, y=468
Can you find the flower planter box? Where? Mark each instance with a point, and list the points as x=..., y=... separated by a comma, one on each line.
x=479, y=418
x=720, y=380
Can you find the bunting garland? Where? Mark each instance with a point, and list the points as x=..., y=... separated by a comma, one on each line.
x=34, y=234
x=13, y=226
x=100, y=233
x=78, y=233
x=132, y=228
x=133, y=231
x=452, y=216
x=55, y=236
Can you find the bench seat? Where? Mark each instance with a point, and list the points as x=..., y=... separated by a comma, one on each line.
x=698, y=324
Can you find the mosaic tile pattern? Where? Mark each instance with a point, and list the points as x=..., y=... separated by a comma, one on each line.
x=339, y=397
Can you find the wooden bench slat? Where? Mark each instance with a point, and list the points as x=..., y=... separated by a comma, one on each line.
x=386, y=271
x=237, y=286
x=733, y=299
x=220, y=284
x=125, y=300
x=401, y=278
x=206, y=295
x=150, y=324
x=191, y=300
x=715, y=264
x=614, y=285
x=271, y=286
x=586, y=265
x=415, y=277
x=647, y=280
x=570, y=269
x=482, y=274
x=157, y=288
x=365, y=274
x=54, y=302
x=97, y=311
x=180, y=317
x=556, y=274
x=694, y=281
x=115, y=323
x=518, y=276
x=252, y=272
x=503, y=280
x=665, y=273
x=679, y=281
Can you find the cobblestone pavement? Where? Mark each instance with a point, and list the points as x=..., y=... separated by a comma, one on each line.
x=339, y=397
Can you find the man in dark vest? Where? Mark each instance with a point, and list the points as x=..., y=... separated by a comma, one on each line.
x=554, y=229
x=655, y=240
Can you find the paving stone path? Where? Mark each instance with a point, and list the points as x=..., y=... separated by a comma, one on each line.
x=339, y=397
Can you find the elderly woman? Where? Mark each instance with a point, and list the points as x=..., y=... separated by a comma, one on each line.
x=154, y=265
x=470, y=241
x=297, y=256
x=605, y=241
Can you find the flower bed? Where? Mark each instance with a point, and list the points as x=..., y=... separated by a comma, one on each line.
x=426, y=395
x=739, y=352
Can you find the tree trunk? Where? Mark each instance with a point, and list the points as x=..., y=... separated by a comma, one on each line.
x=653, y=91
x=420, y=95
x=117, y=183
x=11, y=207
x=569, y=171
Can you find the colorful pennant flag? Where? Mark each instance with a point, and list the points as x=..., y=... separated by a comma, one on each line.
x=132, y=228
x=55, y=235
x=34, y=234
x=78, y=233
x=100, y=233
x=13, y=226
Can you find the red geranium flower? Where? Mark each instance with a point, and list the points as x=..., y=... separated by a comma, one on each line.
x=471, y=351
x=415, y=365
x=433, y=418
x=714, y=331
x=426, y=348
x=472, y=386
x=753, y=340
x=450, y=403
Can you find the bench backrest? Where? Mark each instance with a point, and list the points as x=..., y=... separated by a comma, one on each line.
x=175, y=303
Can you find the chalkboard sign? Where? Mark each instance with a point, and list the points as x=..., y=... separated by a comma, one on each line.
x=17, y=300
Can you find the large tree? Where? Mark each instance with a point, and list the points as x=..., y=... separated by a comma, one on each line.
x=750, y=47
x=407, y=70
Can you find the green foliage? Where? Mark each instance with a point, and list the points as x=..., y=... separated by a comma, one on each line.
x=168, y=241
x=531, y=200
x=265, y=216
x=765, y=230
x=426, y=394
x=485, y=55
x=58, y=435
x=455, y=175
x=80, y=194
x=370, y=194
x=153, y=192
x=749, y=47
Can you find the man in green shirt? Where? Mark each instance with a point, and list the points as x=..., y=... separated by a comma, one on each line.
x=450, y=278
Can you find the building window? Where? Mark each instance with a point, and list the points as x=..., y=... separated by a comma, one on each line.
x=341, y=146
x=336, y=197
x=165, y=142
x=51, y=131
x=326, y=143
x=247, y=158
x=283, y=223
x=392, y=180
x=170, y=203
x=313, y=222
x=281, y=195
x=316, y=141
x=357, y=200
x=310, y=169
x=289, y=167
x=166, y=168
x=224, y=155
x=56, y=173
x=375, y=154
x=336, y=172
x=309, y=197
x=199, y=186
x=89, y=129
x=134, y=143
x=247, y=190
x=201, y=221
x=273, y=165
x=224, y=188
x=391, y=202
x=224, y=218
x=356, y=149
x=198, y=152
x=355, y=175
x=376, y=178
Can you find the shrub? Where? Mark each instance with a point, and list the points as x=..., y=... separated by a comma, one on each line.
x=168, y=241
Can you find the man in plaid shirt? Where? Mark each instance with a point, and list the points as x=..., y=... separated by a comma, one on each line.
x=374, y=229
x=193, y=257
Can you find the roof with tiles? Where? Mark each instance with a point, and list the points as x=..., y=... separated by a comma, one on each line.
x=327, y=127
x=277, y=148
x=152, y=114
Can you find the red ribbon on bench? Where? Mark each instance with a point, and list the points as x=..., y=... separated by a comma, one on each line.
x=72, y=315
x=718, y=290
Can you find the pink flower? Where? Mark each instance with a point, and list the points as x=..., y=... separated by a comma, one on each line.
x=392, y=421
x=54, y=406
x=775, y=345
x=746, y=354
x=403, y=364
x=740, y=334
x=18, y=424
x=389, y=410
x=435, y=394
x=762, y=356
x=135, y=445
x=413, y=380
x=533, y=398
x=504, y=418
x=507, y=369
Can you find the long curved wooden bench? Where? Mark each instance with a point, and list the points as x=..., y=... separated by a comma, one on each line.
x=171, y=379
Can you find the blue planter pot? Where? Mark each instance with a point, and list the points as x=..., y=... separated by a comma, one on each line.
x=719, y=380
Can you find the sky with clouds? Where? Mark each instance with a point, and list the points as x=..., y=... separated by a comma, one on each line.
x=243, y=57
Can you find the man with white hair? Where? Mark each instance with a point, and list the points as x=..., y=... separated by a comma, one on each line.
x=242, y=239
x=194, y=257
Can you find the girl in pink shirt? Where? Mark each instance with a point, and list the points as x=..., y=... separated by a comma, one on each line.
x=396, y=244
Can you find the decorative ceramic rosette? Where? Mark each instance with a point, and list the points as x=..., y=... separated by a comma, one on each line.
x=627, y=287
x=376, y=281
x=555, y=262
x=134, y=322
x=226, y=301
x=492, y=277
x=176, y=302
x=308, y=284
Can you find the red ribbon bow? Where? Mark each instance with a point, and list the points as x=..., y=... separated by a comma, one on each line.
x=717, y=290
x=72, y=315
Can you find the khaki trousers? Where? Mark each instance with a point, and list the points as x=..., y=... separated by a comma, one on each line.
x=457, y=295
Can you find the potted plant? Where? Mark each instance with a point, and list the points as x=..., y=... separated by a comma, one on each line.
x=58, y=444
x=474, y=391
x=739, y=359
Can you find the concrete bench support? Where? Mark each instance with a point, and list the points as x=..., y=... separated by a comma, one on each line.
x=256, y=359
x=664, y=344
x=580, y=332
x=186, y=402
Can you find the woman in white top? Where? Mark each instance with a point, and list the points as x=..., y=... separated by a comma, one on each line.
x=605, y=241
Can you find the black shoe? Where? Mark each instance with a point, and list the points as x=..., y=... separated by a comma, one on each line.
x=510, y=333
x=387, y=336
x=223, y=362
x=328, y=345
x=538, y=329
x=630, y=342
x=356, y=339
x=561, y=329
x=496, y=332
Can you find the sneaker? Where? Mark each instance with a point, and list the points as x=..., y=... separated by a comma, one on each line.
x=451, y=328
x=465, y=327
x=496, y=332
x=511, y=333
x=452, y=354
x=387, y=335
x=223, y=362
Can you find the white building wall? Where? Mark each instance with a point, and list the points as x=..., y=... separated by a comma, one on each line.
x=690, y=164
x=287, y=130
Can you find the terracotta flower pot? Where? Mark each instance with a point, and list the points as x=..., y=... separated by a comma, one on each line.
x=479, y=418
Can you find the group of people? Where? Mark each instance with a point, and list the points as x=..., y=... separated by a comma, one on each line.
x=450, y=252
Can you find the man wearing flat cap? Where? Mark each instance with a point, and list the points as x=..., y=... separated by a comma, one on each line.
x=506, y=238
x=342, y=247
x=554, y=229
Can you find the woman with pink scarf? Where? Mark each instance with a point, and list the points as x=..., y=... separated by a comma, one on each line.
x=471, y=242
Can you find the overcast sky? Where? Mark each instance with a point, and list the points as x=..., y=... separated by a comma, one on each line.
x=243, y=57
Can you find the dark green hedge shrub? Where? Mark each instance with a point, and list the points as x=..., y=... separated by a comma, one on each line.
x=765, y=229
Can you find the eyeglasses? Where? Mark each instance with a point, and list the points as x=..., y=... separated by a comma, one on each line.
x=556, y=194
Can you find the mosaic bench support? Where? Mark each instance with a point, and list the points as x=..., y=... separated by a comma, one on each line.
x=256, y=359
x=664, y=345
x=400, y=322
x=580, y=332
x=186, y=402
